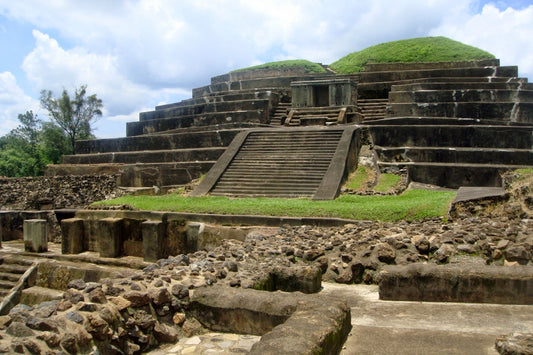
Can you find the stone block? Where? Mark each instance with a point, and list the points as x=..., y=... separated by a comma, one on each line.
x=176, y=237
x=289, y=323
x=72, y=236
x=153, y=235
x=194, y=230
x=35, y=235
x=451, y=283
x=110, y=237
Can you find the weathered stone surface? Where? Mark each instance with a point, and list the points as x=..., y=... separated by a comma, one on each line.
x=77, y=284
x=165, y=334
x=137, y=299
x=97, y=296
x=180, y=291
x=35, y=235
x=19, y=330
x=72, y=233
x=514, y=344
x=444, y=252
x=385, y=253
x=121, y=302
x=29, y=193
x=454, y=283
x=518, y=253
x=160, y=296
x=110, y=237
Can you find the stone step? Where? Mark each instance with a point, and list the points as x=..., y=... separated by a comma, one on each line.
x=444, y=121
x=505, y=111
x=463, y=95
x=189, y=122
x=153, y=156
x=223, y=97
x=138, y=175
x=440, y=84
x=382, y=76
x=482, y=136
x=280, y=113
x=381, y=89
x=453, y=175
x=7, y=276
x=268, y=194
x=455, y=155
x=247, y=173
x=256, y=161
x=7, y=285
x=204, y=108
x=13, y=268
x=220, y=138
x=373, y=67
x=264, y=184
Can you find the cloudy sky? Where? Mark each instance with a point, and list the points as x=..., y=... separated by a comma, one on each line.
x=136, y=54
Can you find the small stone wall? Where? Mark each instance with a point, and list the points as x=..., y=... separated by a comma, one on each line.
x=288, y=323
x=56, y=192
x=451, y=283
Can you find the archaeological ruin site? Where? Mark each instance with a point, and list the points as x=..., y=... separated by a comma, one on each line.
x=76, y=277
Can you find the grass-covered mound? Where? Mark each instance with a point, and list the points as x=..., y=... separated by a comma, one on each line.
x=309, y=67
x=425, y=49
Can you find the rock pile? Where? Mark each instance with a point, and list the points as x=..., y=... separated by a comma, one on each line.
x=56, y=192
x=139, y=312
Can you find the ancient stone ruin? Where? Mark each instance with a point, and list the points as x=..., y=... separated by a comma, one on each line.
x=127, y=282
x=283, y=133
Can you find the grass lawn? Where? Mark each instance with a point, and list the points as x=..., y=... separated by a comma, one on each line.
x=411, y=205
x=386, y=182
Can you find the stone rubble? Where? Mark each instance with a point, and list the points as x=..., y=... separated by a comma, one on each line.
x=150, y=308
x=56, y=192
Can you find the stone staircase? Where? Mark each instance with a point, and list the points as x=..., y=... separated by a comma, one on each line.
x=283, y=163
x=310, y=116
x=279, y=114
x=452, y=152
x=11, y=270
x=372, y=109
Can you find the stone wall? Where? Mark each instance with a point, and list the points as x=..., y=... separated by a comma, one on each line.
x=56, y=192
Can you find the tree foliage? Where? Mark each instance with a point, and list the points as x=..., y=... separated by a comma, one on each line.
x=73, y=115
x=27, y=149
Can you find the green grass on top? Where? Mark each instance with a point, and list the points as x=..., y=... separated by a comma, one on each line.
x=425, y=49
x=411, y=205
x=387, y=182
x=310, y=67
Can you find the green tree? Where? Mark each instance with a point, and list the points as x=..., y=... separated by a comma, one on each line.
x=74, y=116
x=28, y=130
x=53, y=143
x=19, y=150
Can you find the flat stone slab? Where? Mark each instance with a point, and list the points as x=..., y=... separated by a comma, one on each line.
x=472, y=193
x=399, y=327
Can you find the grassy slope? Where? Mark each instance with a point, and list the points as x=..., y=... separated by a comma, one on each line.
x=425, y=49
x=411, y=205
x=310, y=67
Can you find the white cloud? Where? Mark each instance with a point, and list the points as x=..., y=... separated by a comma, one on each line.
x=137, y=54
x=13, y=102
x=505, y=33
